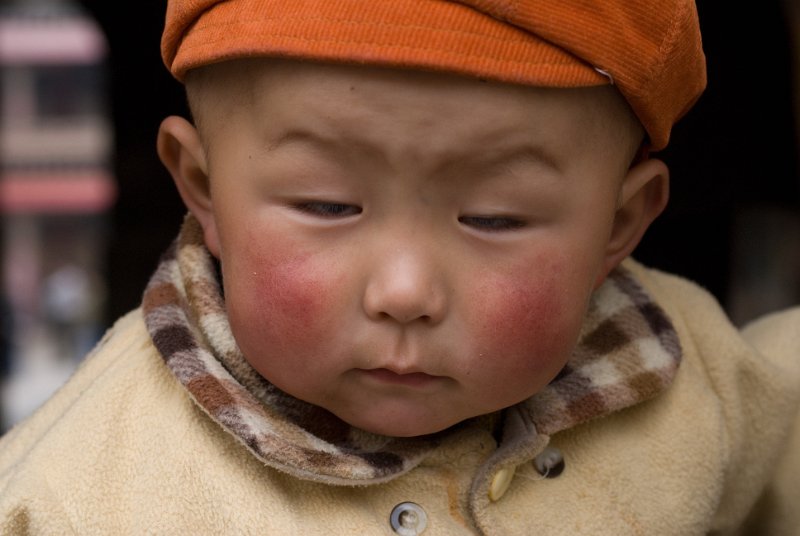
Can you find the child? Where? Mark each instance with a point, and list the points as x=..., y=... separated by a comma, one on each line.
x=402, y=300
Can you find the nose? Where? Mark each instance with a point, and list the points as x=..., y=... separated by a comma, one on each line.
x=406, y=286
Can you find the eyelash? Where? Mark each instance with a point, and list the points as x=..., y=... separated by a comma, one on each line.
x=342, y=210
x=492, y=224
x=328, y=210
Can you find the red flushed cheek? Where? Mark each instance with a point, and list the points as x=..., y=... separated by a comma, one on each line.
x=528, y=320
x=519, y=312
x=285, y=298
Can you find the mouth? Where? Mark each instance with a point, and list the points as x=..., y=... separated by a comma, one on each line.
x=410, y=379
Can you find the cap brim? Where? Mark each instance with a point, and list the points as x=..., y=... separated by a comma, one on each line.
x=416, y=34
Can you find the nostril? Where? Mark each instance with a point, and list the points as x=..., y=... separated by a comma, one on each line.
x=405, y=319
x=404, y=296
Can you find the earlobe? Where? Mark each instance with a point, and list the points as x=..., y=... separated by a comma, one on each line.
x=643, y=196
x=182, y=153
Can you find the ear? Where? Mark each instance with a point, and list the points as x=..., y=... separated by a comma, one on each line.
x=643, y=196
x=182, y=153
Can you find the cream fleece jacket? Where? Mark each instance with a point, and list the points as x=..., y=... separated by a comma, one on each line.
x=123, y=449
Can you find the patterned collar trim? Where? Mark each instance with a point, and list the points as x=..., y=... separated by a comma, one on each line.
x=628, y=352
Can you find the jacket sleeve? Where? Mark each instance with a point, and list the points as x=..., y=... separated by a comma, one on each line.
x=754, y=374
x=776, y=513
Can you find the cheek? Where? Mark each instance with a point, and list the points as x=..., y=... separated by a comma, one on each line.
x=519, y=310
x=280, y=298
x=531, y=317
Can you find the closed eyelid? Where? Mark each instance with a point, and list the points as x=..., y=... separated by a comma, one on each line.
x=327, y=209
x=493, y=223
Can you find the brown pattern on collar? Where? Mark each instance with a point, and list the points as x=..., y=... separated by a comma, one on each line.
x=628, y=352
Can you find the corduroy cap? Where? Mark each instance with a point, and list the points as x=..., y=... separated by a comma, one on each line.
x=650, y=49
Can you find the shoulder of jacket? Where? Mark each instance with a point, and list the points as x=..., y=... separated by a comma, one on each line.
x=124, y=364
x=752, y=372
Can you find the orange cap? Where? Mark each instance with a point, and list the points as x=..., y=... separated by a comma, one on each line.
x=650, y=49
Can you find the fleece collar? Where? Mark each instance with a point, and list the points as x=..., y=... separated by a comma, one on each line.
x=628, y=352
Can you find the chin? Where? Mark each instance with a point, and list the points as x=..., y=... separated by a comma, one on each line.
x=407, y=427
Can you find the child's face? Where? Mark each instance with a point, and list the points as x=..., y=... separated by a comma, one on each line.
x=409, y=250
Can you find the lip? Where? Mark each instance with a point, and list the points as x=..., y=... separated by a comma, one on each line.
x=410, y=379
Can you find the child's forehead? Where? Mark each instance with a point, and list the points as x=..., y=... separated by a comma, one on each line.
x=428, y=120
x=264, y=81
x=329, y=100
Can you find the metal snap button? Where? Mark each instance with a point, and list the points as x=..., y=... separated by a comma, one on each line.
x=550, y=463
x=408, y=519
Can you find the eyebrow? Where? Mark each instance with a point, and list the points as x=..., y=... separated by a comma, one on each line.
x=525, y=152
x=295, y=135
x=495, y=157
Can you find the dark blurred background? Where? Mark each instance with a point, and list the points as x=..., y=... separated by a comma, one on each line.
x=148, y=211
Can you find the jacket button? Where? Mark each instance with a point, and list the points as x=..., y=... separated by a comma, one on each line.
x=408, y=519
x=550, y=463
x=500, y=482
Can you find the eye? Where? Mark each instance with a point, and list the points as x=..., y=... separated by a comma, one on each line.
x=327, y=210
x=492, y=223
